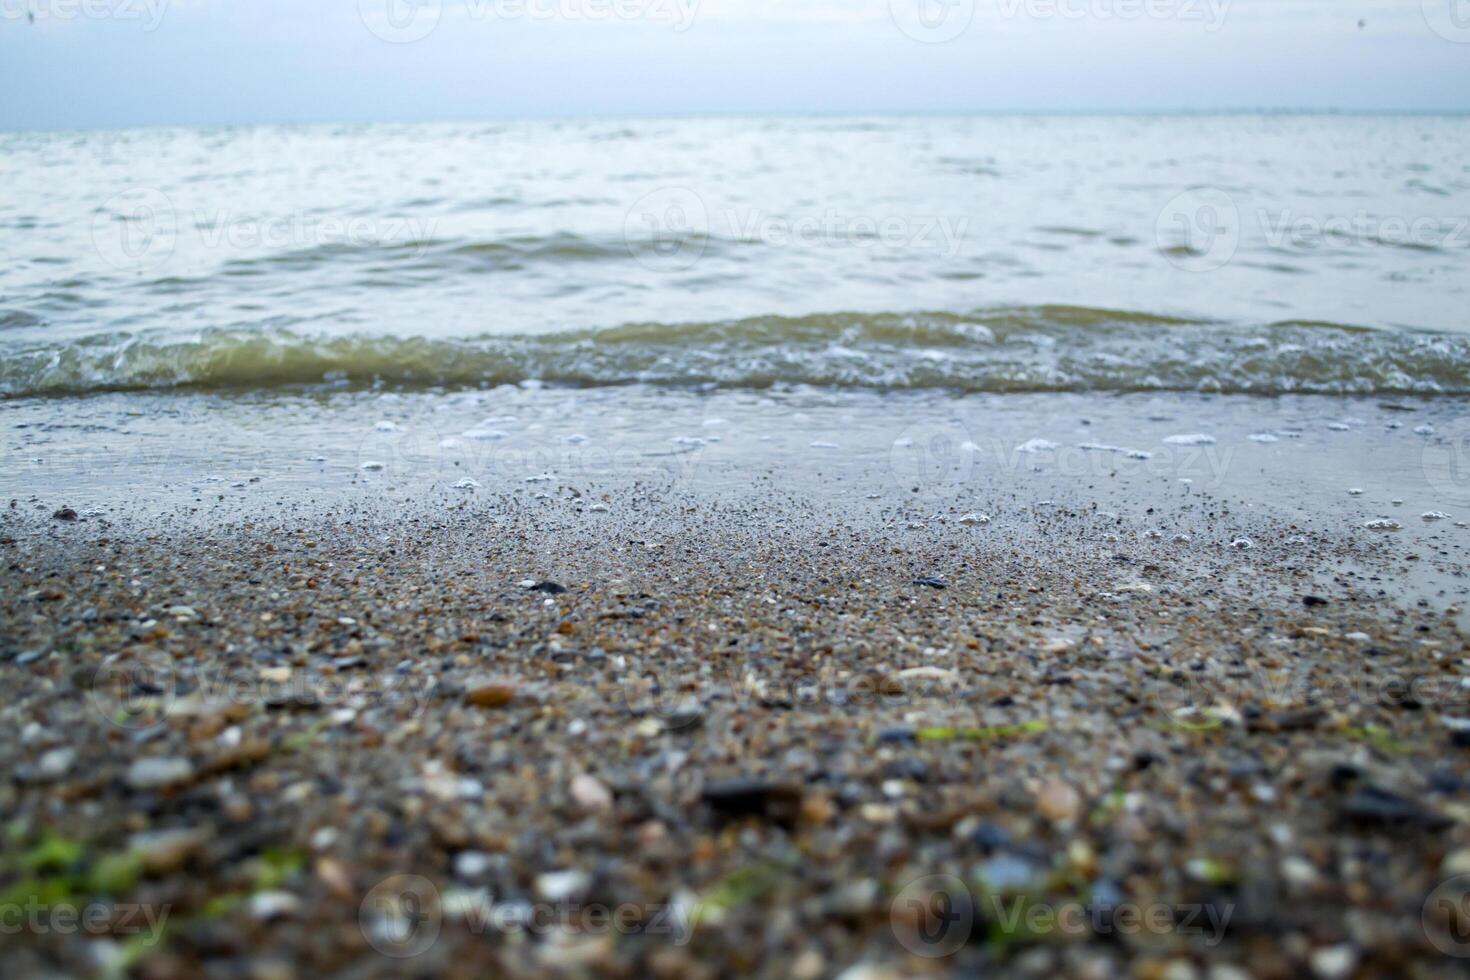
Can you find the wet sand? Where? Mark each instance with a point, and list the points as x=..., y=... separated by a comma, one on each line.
x=618, y=726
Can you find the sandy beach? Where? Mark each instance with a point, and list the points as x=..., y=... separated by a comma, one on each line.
x=792, y=714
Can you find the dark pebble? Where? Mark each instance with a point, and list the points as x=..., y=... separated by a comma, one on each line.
x=1374, y=807
x=931, y=582
x=777, y=802
x=898, y=734
x=550, y=588
x=65, y=514
x=1313, y=600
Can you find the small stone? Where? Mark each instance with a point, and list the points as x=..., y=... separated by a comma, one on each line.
x=1313, y=600
x=267, y=906
x=56, y=763
x=591, y=794
x=164, y=852
x=777, y=802
x=562, y=886
x=334, y=874
x=550, y=588
x=1456, y=863
x=1334, y=962
x=65, y=514
x=471, y=865
x=159, y=773
x=808, y=965
x=490, y=695
x=1058, y=802
x=930, y=581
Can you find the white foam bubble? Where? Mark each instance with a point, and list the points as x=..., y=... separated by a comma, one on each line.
x=1190, y=439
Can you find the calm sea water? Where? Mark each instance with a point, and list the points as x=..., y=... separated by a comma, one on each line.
x=1242, y=254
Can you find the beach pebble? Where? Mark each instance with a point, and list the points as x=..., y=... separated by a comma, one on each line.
x=1355, y=492
x=562, y=886
x=373, y=466
x=591, y=794
x=1242, y=543
x=599, y=508
x=1334, y=962
x=157, y=773
x=490, y=695
x=267, y=906
x=56, y=763
x=471, y=865
x=164, y=852
x=65, y=514
x=1058, y=802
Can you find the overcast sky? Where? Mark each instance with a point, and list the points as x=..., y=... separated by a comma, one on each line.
x=114, y=63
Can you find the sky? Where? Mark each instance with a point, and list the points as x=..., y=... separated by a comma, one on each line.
x=122, y=63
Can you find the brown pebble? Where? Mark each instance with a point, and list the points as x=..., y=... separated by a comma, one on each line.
x=1058, y=802
x=490, y=695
